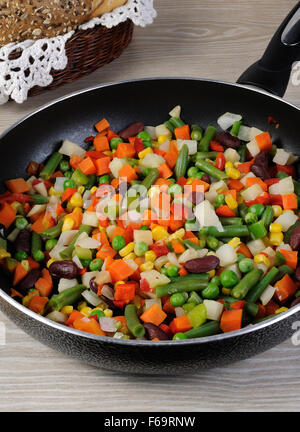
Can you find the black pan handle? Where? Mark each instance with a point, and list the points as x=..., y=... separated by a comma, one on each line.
x=272, y=72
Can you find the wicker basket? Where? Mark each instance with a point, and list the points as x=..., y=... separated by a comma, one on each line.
x=87, y=50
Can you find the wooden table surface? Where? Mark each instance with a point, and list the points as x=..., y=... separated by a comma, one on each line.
x=198, y=38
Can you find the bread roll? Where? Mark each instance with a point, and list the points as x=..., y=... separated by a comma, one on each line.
x=36, y=19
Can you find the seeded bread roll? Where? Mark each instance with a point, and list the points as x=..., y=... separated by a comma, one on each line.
x=36, y=19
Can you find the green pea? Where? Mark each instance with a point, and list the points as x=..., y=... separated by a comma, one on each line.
x=50, y=244
x=147, y=144
x=179, y=336
x=114, y=143
x=164, y=271
x=64, y=166
x=144, y=227
x=118, y=242
x=70, y=184
x=99, y=313
x=211, y=291
x=172, y=271
x=212, y=242
x=216, y=280
x=68, y=174
x=196, y=135
x=21, y=223
x=96, y=264
x=172, y=180
x=39, y=256
x=246, y=265
x=220, y=200
x=104, y=179
x=21, y=255
x=175, y=189
x=192, y=171
x=145, y=136
x=251, y=218
x=85, y=262
x=140, y=248
x=228, y=278
x=199, y=175
x=177, y=299
x=202, y=241
x=240, y=257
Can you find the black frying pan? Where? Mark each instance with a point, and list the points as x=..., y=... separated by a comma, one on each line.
x=149, y=100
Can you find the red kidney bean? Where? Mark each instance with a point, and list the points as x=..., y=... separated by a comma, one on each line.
x=132, y=130
x=23, y=241
x=66, y=269
x=227, y=140
x=260, y=166
x=94, y=285
x=295, y=242
x=297, y=274
x=197, y=197
x=206, y=178
x=202, y=265
x=29, y=280
x=111, y=305
x=295, y=302
x=152, y=332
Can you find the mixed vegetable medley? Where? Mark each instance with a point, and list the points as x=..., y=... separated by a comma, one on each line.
x=158, y=233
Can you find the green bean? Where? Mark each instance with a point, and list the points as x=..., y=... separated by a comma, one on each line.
x=231, y=221
x=53, y=232
x=256, y=291
x=133, y=323
x=191, y=276
x=39, y=199
x=267, y=216
x=243, y=210
x=51, y=166
x=296, y=187
x=288, y=233
x=182, y=162
x=229, y=231
x=208, y=329
x=209, y=135
x=180, y=286
x=176, y=122
x=249, y=280
x=67, y=297
x=92, y=180
x=251, y=308
x=236, y=128
x=169, y=126
x=242, y=151
x=283, y=270
x=67, y=253
x=3, y=243
x=151, y=178
x=265, y=318
x=211, y=170
x=206, y=155
x=36, y=243
x=80, y=178
x=191, y=244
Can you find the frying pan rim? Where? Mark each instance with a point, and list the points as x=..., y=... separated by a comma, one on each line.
x=219, y=337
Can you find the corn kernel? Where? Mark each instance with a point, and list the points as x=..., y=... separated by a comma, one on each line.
x=277, y=210
x=292, y=211
x=126, y=249
x=275, y=228
x=93, y=189
x=177, y=234
x=130, y=256
x=211, y=253
x=226, y=291
x=262, y=259
x=240, y=199
x=228, y=165
x=50, y=261
x=25, y=301
x=76, y=200
x=159, y=233
x=101, y=229
x=53, y=192
x=282, y=309
x=68, y=224
x=4, y=254
x=150, y=256
x=108, y=313
x=86, y=311
x=143, y=153
x=118, y=283
x=82, y=305
x=161, y=139
x=231, y=202
x=276, y=239
x=67, y=310
x=107, y=153
x=146, y=266
x=15, y=205
x=25, y=264
x=235, y=242
x=233, y=173
x=81, y=189
x=211, y=273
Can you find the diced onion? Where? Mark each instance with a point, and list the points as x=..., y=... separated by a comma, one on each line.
x=144, y=236
x=77, y=261
x=66, y=237
x=64, y=284
x=151, y=131
x=107, y=291
x=179, y=312
x=227, y=120
x=36, y=209
x=227, y=255
x=59, y=184
x=252, y=192
x=165, y=146
x=191, y=144
x=151, y=302
x=115, y=165
x=281, y=157
x=69, y=148
x=256, y=246
x=154, y=278
x=91, y=297
x=108, y=324
x=152, y=161
x=244, y=133
x=267, y=295
x=175, y=112
x=253, y=148
x=41, y=189
x=231, y=155
x=214, y=309
x=57, y=317
x=286, y=220
x=90, y=218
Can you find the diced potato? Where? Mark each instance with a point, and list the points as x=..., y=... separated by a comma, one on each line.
x=175, y=112
x=206, y=215
x=286, y=220
x=131, y=263
x=254, y=132
x=115, y=165
x=163, y=130
x=90, y=218
x=227, y=255
x=154, y=278
x=253, y=148
x=252, y=192
x=231, y=155
x=151, y=302
x=103, y=277
x=286, y=185
x=214, y=309
x=281, y=157
x=256, y=246
x=144, y=236
x=190, y=254
x=69, y=148
x=152, y=161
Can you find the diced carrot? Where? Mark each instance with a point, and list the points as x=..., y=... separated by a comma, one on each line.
x=270, y=182
x=154, y=314
x=67, y=194
x=183, y=132
x=43, y=286
x=75, y=161
x=198, y=184
x=17, y=185
x=171, y=159
x=164, y=171
x=243, y=249
x=101, y=143
x=38, y=225
x=177, y=246
x=175, y=224
x=106, y=251
x=88, y=325
x=87, y=166
x=102, y=125
x=231, y=320
x=48, y=221
x=236, y=185
x=128, y=173
x=37, y=304
x=168, y=308
x=33, y=264
x=125, y=292
x=159, y=152
x=103, y=239
x=285, y=288
x=289, y=201
x=225, y=211
x=102, y=165
x=120, y=271
x=75, y=314
x=231, y=192
x=20, y=273
x=111, y=134
x=15, y=293
x=245, y=167
x=264, y=141
x=7, y=214
x=239, y=304
x=182, y=271
x=125, y=150
x=180, y=324
x=271, y=307
x=291, y=258
x=250, y=181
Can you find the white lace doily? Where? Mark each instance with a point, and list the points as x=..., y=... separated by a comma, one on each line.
x=36, y=59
